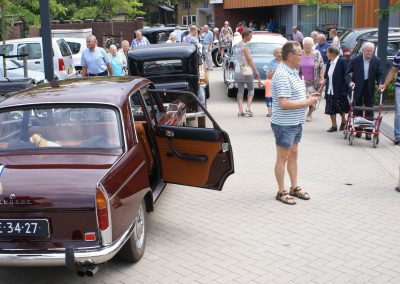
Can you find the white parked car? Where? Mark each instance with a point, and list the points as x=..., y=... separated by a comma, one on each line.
x=15, y=70
x=77, y=45
x=62, y=55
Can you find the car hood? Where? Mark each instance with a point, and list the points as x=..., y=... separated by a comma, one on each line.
x=18, y=73
x=51, y=181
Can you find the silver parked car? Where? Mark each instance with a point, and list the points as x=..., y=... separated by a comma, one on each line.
x=262, y=46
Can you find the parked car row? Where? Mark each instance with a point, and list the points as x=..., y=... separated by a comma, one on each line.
x=349, y=39
x=62, y=55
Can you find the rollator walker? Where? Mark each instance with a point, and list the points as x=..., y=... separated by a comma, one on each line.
x=363, y=124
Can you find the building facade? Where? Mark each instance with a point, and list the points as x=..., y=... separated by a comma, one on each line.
x=197, y=12
x=288, y=13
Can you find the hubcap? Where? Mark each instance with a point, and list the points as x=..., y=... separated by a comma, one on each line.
x=139, y=228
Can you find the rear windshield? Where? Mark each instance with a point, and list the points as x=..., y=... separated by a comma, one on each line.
x=74, y=46
x=64, y=48
x=60, y=127
x=160, y=67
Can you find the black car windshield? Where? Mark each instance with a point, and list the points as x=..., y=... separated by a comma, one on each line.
x=60, y=127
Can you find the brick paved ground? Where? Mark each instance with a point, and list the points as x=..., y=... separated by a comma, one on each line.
x=347, y=233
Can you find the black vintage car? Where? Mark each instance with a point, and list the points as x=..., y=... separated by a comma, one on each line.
x=173, y=67
x=157, y=34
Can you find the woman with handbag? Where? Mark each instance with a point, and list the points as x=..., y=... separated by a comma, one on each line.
x=244, y=73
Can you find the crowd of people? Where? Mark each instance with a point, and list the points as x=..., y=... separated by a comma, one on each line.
x=301, y=71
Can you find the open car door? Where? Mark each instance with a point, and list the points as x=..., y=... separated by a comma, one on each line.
x=189, y=155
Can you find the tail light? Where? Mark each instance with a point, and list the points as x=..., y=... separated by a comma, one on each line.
x=61, y=66
x=202, y=75
x=346, y=52
x=102, y=210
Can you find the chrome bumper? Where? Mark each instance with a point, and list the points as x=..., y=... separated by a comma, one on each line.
x=231, y=84
x=58, y=257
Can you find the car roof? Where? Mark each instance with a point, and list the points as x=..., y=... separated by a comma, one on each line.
x=166, y=50
x=94, y=90
x=391, y=36
x=155, y=29
x=75, y=39
x=262, y=37
x=30, y=39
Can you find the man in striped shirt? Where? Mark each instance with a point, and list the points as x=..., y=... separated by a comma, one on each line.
x=289, y=105
x=139, y=40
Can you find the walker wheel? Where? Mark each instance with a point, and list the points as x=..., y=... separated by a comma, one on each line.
x=351, y=139
x=375, y=141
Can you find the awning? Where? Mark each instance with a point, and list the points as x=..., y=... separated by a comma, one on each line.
x=166, y=8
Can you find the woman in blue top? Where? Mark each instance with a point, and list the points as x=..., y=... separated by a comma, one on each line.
x=118, y=63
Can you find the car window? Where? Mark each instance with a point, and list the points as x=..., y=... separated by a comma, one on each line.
x=34, y=50
x=61, y=127
x=345, y=36
x=74, y=46
x=162, y=67
x=64, y=48
x=393, y=48
x=162, y=37
x=262, y=47
x=9, y=49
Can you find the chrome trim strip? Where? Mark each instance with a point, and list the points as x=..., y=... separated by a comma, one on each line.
x=195, y=114
x=93, y=255
x=130, y=176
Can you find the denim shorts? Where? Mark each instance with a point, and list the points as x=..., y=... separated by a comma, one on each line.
x=286, y=136
x=268, y=101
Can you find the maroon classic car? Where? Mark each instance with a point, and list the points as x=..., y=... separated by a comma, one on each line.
x=82, y=163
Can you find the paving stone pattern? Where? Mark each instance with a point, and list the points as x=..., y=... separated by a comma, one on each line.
x=347, y=233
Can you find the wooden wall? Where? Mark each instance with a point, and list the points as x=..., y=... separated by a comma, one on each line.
x=234, y=4
x=364, y=10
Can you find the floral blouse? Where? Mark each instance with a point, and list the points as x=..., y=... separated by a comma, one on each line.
x=318, y=68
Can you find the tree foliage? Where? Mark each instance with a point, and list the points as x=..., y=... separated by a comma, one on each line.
x=321, y=4
x=386, y=12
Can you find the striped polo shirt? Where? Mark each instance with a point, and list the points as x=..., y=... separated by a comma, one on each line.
x=286, y=83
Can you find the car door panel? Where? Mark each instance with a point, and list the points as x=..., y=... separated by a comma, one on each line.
x=200, y=157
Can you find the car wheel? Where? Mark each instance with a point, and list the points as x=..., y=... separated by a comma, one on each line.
x=217, y=59
x=231, y=92
x=133, y=249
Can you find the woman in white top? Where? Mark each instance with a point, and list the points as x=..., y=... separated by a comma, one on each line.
x=335, y=40
x=172, y=38
x=243, y=59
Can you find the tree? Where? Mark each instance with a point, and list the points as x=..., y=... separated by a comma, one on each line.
x=26, y=11
x=105, y=9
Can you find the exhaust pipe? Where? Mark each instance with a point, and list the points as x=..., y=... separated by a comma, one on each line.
x=92, y=271
x=81, y=273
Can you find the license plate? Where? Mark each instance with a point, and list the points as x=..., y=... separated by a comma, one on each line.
x=24, y=228
x=70, y=70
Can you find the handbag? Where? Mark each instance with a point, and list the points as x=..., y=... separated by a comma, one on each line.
x=246, y=70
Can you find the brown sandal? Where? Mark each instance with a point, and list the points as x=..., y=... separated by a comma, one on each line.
x=297, y=191
x=285, y=198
